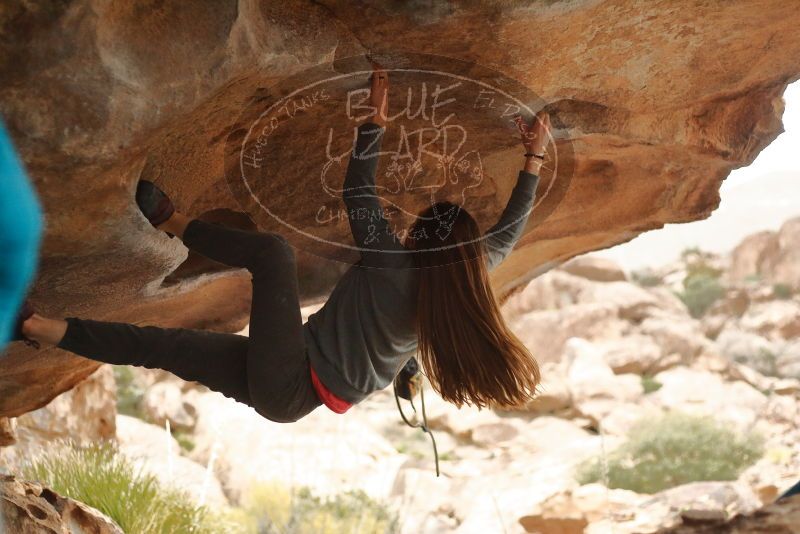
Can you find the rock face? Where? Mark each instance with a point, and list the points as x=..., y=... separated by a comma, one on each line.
x=151, y=450
x=84, y=414
x=654, y=107
x=781, y=517
x=773, y=256
x=28, y=508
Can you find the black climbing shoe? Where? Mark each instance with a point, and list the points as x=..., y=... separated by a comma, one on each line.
x=154, y=203
x=23, y=315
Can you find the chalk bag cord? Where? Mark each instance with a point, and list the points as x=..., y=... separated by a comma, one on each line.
x=424, y=424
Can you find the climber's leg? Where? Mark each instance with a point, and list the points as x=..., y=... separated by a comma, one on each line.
x=277, y=364
x=230, y=246
x=176, y=224
x=278, y=367
x=216, y=360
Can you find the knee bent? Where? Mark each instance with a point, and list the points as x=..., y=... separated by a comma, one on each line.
x=279, y=415
x=272, y=249
x=275, y=244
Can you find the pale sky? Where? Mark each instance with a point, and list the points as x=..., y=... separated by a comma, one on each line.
x=759, y=197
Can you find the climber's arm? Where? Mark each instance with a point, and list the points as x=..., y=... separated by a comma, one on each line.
x=378, y=245
x=373, y=236
x=501, y=238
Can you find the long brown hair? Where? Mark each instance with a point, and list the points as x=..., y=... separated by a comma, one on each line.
x=465, y=347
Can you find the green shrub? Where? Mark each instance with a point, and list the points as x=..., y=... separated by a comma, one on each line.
x=753, y=278
x=100, y=476
x=701, y=285
x=650, y=384
x=782, y=291
x=646, y=278
x=184, y=439
x=700, y=292
x=691, y=251
x=674, y=449
x=129, y=393
x=272, y=509
x=764, y=361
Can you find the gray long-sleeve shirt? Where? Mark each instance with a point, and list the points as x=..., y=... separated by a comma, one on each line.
x=366, y=331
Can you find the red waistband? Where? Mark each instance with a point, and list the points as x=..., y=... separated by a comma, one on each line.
x=328, y=399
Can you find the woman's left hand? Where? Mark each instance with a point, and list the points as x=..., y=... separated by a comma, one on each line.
x=536, y=136
x=379, y=94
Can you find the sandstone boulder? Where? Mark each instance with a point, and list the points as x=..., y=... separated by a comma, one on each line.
x=781, y=517
x=554, y=289
x=550, y=448
x=424, y=501
x=589, y=377
x=594, y=388
x=8, y=431
x=618, y=418
x=773, y=256
x=554, y=395
x=778, y=319
x=635, y=353
x=154, y=451
x=735, y=302
x=29, y=508
x=575, y=511
x=712, y=324
x=749, y=348
x=681, y=337
x=668, y=302
x=595, y=268
x=705, y=393
x=355, y=454
x=164, y=402
x=754, y=255
x=788, y=362
x=647, y=139
x=597, y=510
x=545, y=333
x=633, y=303
x=84, y=414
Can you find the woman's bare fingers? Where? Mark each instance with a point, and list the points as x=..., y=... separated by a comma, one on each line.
x=521, y=125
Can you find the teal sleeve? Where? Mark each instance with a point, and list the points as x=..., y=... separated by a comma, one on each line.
x=501, y=238
x=20, y=233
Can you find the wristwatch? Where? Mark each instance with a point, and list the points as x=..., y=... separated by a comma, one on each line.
x=532, y=155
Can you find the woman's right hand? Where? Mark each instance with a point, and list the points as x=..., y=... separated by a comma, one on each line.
x=535, y=136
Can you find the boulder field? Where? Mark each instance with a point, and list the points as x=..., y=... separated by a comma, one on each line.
x=653, y=105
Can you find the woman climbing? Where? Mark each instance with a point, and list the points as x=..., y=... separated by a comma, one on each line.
x=428, y=296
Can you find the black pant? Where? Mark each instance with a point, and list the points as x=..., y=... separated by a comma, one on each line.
x=268, y=371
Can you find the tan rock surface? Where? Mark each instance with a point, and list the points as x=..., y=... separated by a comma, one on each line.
x=595, y=268
x=659, y=104
x=774, y=256
x=28, y=508
x=152, y=450
x=84, y=414
x=781, y=517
